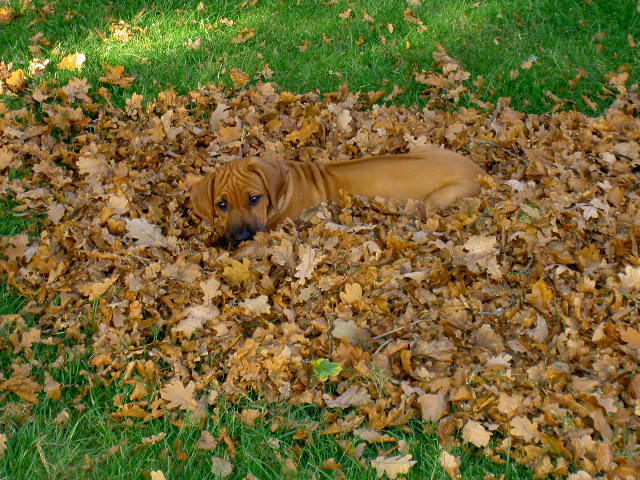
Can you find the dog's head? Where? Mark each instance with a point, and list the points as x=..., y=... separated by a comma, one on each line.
x=242, y=194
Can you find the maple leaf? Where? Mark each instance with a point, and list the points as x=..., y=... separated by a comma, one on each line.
x=210, y=289
x=51, y=387
x=145, y=233
x=153, y=439
x=3, y=444
x=6, y=158
x=156, y=475
x=92, y=165
x=473, y=432
x=248, y=416
x=371, y=436
x=392, y=466
x=22, y=386
x=16, y=81
x=6, y=13
x=72, y=62
x=193, y=318
x=524, y=428
x=450, y=464
x=179, y=396
x=540, y=295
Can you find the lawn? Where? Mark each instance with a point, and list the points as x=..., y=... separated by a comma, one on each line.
x=101, y=375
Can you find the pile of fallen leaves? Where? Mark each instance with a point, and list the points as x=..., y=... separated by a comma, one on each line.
x=510, y=317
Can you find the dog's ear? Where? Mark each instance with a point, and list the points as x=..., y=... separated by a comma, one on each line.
x=273, y=172
x=202, y=197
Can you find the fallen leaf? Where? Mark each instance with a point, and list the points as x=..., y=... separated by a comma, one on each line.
x=450, y=464
x=473, y=432
x=72, y=62
x=179, y=396
x=221, y=467
x=392, y=466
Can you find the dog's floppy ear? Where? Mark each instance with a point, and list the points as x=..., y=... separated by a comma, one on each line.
x=202, y=197
x=273, y=172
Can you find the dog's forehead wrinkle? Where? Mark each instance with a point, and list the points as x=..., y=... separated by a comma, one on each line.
x=236, y=185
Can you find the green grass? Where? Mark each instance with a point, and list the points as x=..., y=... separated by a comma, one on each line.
x=490, y=38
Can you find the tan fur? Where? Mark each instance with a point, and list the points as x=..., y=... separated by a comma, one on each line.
x=436, y=176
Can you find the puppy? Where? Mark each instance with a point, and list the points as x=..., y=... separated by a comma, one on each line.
x=255, y=194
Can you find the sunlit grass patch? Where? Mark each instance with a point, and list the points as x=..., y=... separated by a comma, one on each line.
x=308, y=45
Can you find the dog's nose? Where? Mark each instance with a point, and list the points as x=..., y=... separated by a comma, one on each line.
x=242, y=234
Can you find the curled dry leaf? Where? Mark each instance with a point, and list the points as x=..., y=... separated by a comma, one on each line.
x=450, y=464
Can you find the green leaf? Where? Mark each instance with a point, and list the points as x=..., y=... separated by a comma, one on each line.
x=323, y=368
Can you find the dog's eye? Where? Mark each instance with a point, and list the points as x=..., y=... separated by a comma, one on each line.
x=222, y=205
x=253, y=199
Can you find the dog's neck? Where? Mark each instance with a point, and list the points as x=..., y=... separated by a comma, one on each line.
x=300, y=173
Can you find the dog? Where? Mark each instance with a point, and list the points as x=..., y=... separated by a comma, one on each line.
x=256, y=194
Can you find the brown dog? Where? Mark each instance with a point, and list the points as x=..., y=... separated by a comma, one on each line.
x=255, y=194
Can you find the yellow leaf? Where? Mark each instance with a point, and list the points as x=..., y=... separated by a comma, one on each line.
x=16, y=81
x=72, y=62
x=237, y=272
x=352, y=293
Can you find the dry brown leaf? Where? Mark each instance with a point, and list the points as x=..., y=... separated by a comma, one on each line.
x=179, y=396
x=450, y=464
x=238, y=77
x=473, y=432
x=206, y=442
x=93, y=290
x=221, y=467
x=392, y=466
x=433, y=406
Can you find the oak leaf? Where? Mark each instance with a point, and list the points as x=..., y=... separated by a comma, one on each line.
x=221, y=467
x=237, y=272
x=352, y=293
x=179, y=396
x=206, y=441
